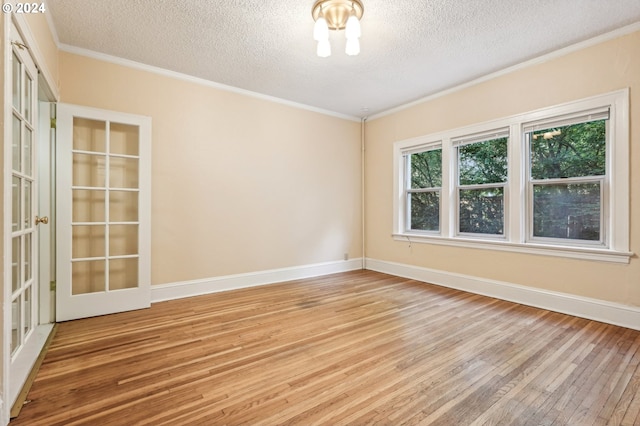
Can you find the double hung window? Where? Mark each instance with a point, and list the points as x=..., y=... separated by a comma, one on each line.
x=423, y=183
x=552, y=181
x=567, y=162
x=482, y=178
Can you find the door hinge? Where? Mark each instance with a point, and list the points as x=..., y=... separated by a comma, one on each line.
x=52, y=286
x=53, y=123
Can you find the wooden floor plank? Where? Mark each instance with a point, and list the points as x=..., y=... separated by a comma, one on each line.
x=351, y=348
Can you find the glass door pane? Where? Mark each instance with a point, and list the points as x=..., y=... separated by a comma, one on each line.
x=105, y=193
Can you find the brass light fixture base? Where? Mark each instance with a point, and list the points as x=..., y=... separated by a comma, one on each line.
x=336, y=12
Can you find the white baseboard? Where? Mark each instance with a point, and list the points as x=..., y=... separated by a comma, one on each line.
x=183, y=289
x=584, y=307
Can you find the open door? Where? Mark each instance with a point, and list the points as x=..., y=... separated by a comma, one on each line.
x=103, y=212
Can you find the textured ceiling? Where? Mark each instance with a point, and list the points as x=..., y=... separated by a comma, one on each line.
x=410, y=48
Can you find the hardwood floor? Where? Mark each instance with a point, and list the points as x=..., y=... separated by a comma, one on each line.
x=353, y=348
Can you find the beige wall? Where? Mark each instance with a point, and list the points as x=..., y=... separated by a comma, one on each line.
x=239, y=184
x=45, y=44
x=609, y=66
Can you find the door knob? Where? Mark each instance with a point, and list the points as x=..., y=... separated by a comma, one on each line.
x=40, y=220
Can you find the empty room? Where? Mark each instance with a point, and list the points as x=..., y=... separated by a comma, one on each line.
x=321, y=212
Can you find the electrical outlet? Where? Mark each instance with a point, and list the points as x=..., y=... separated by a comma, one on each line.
x=346, y=256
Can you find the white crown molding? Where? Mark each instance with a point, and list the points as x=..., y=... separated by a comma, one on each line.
x=179, y=290
x=535, y=61
x=196, y=80
x=584, y=307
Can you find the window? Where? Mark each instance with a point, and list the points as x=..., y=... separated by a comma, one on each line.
x=566, y=182
x=553, y=181
x=424, y=181
x=482, y=177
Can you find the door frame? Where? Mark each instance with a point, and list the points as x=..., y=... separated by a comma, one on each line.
x=49, y=91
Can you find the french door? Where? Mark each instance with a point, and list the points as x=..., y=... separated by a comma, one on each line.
x=103, y=212
x=24, y=208
x=26, y=326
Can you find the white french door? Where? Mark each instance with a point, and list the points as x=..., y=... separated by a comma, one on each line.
x=25, y=336
x=103, y=212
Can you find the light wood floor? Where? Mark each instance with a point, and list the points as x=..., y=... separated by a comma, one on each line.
x=354, y=348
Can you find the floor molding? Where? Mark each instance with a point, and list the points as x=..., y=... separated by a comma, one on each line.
x=183, y=289
x=584, y=307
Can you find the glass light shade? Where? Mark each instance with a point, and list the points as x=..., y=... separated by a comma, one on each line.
x=352, y=29
x=321, y=29
x=324, y=48
x=353, y=46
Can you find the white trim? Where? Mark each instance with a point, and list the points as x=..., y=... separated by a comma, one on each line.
x=583, y=253
x=584, y=307
x=196, y=80
x=179, y=290
x=535, y=61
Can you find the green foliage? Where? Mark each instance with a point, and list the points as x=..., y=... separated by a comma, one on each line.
x=426, y=172
x=483, y=162
x=425, y=211
x=426, y=169
x=567, y=211
x=482, y=211
x=572, y=210
x=569, y=151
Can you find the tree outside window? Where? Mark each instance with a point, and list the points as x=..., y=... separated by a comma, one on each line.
x=482, y=176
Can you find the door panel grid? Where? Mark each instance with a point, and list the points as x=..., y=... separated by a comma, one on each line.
x=23, y=209
x=103, y=212
x=105, y=200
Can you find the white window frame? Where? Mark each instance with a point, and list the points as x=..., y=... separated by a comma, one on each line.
x=517, y=238
x=469, y=140
x=585, y=117
x=407, y=190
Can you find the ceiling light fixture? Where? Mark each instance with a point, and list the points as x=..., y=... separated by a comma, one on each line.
x=337, y=15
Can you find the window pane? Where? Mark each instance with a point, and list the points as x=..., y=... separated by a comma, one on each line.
x=123, y=173
x=123, y=273
x=16, y=317
x=88, y=205
x=124, y=139
x=89, y=170
x=88, y=241
x=567, y=211
x=16, y=145
x=28, y=152
x=425, y=211
x=426, y=169
x=15, y=77
x=89, y=135
x=123, y=206
x=569, y=151
x=88, y=277
x=483, y=162
x=482, y=211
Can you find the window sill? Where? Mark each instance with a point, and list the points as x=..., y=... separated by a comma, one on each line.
x=583, y=253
